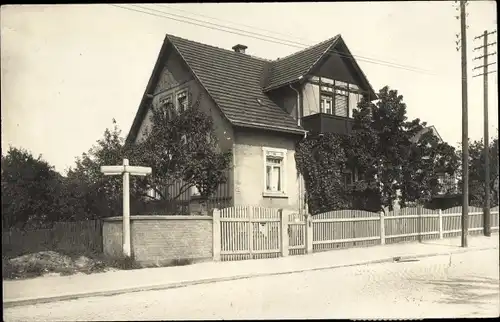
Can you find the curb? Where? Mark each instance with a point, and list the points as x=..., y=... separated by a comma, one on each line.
x=157, y=287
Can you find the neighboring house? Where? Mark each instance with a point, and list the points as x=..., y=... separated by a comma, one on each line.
x=449, y=183
x=260, y=108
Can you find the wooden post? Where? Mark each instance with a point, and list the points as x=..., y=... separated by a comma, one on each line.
x=465, y=128
x=419, y=224
x=441, y=233
x=382, y=228
x=126, y=212
x=284, y=232
x=309, y=234
x=217, y=242
x=250, y=231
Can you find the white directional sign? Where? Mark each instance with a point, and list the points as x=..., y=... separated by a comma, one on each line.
x=126, y=170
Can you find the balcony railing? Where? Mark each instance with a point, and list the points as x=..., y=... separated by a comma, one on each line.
x=327, y=123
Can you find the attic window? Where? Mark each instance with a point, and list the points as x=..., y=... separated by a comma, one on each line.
x=260, y=102
x=182, y=101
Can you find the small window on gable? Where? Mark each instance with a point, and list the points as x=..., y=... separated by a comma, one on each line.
x=182, y=101
x=166, y=104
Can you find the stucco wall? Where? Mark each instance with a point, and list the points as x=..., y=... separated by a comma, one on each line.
x=249, y=172
x=160, y=240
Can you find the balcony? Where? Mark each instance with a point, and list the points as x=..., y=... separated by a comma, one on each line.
x=327, y=123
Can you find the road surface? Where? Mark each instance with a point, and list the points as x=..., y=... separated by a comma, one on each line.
x=460, y=285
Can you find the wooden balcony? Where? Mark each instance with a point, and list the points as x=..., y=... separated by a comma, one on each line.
x=327, y=123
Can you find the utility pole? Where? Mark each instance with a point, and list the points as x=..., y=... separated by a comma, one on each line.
x=486, y=212
x=465, y=125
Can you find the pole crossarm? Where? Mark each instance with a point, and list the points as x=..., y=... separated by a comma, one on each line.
x=493, y=71
x=490, y=44
x=482, y=66
x=491, y=54
x=483, y=35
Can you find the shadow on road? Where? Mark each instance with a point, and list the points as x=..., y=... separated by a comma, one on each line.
x=473, y=290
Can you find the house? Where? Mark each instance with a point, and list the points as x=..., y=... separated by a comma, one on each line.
x=261, y=108
x=448, y=193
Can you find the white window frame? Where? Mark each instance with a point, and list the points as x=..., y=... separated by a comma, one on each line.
x=195, y=192
x=324, y=99
x=153, y=194
x=164, y=100
x=177, y=104
x=265, y=152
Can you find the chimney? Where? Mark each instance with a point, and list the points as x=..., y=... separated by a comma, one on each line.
x=239, y=48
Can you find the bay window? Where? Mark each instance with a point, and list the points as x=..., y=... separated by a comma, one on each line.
x=337, y=97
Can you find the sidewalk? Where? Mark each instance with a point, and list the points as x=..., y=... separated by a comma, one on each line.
x=48, y=289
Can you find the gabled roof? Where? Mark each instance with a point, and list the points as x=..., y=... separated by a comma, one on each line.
x=233, y=80
x=238, y=82
x=425, y=130
x=288, y=70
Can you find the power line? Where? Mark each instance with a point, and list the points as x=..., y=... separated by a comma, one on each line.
x=291, y=43
x=311, y=43
x=232, y=22
x=360, y=58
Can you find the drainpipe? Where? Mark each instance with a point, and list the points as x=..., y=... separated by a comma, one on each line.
x=301, y=188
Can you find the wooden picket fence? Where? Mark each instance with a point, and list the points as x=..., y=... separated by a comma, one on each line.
x=249, y=232
x=71, y=237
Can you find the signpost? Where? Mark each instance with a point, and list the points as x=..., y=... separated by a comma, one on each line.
x=126, y=170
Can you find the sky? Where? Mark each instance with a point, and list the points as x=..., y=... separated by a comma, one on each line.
x=68, y=70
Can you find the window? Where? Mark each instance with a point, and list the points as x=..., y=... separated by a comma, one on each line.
x=354, y=99
x=182, y=101
x=337, y=97
x=341, y=108
x=326, y=104
x=347, y=176
x=153, y=195
x=195, y=191
x=166, y=102
x=274, y=170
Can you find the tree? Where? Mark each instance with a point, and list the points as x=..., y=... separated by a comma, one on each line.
x=181, y=147
x=383, y=151
x=178, y=146
x=32, y=191
x=385, y=148
x=101, y=195
x=477, y=173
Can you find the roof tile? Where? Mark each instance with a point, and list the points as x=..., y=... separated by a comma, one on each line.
x=234, y=81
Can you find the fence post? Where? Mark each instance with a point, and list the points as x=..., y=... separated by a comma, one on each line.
x=441, y=233
x=382, y=228
x=419, y=224
x=309, y=234
x=216, y=234
x=284, y=232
